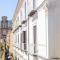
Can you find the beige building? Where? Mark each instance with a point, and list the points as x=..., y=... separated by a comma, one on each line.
x=9, y=40
x=6, y=34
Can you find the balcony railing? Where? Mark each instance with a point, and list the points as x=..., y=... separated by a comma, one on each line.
x=32, y=49
x=24, y=46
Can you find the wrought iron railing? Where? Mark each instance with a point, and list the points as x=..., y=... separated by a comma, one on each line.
x=32, y=50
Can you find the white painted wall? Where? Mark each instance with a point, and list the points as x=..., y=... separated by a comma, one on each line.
x=30, y=8
x=48, y=30
x=54, y=28
x=38, y=2
x=42, y=34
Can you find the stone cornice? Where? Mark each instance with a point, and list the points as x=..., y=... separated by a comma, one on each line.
x=17, y=28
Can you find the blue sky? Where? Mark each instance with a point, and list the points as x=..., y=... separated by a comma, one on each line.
x=7, y=8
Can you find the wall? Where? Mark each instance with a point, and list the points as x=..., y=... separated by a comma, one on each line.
x=54, y=28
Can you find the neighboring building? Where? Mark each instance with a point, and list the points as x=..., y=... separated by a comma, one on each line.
x=36, y=30
x=9, y=42
x=5, y=28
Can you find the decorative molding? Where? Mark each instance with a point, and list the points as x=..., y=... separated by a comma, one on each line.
x=17, y=28
x=32, y=13
x=23, y=22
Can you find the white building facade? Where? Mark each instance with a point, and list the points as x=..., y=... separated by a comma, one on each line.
x=36, y=30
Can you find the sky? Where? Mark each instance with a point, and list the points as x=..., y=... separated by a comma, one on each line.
x=7, y=8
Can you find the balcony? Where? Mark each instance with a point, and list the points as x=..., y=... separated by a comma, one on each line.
x=31, y=49
x=24, y=47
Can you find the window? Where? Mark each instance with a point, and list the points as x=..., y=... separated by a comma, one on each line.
x=6, y=24
x=18, y=58
x=35, y=57
x=18, y=39
x=24, y=39
x=35, y=49
x=24, y=36
x=4, y=32
x=15, y=58
x=34, y=36
x=21, y=41
x=3, y=25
